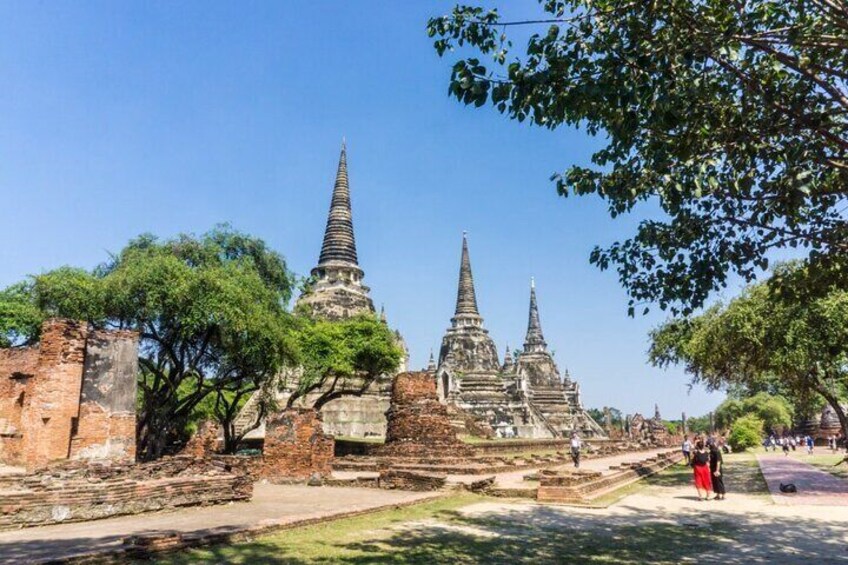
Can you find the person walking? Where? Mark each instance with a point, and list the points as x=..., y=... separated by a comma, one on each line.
x=576, y=445
x=687, y=450
x=716, y=472
x=784, y=442
x=809, y=441
x=701, y=471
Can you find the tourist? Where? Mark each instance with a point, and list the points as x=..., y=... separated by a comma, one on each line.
x=687, y=450
x=784, y=443
x=716, y=472
x=809, y=441
x=792, y=442
x=771, y=443
x=576, y=444
x=701, y=470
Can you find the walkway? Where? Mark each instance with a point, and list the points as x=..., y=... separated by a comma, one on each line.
x=815, y=487
x=272, y=505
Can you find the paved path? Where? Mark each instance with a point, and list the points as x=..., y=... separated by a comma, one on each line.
x=815, y=487
x=271, y=505
x=515, y=479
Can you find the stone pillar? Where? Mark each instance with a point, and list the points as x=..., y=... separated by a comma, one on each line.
x=684, y=424
x=712, y=423
x=296, y=446
x=54, y=409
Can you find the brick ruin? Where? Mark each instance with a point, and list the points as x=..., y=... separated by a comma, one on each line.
x=74, y=491
x=296, y=447
x=418, y=424
x=70, y=397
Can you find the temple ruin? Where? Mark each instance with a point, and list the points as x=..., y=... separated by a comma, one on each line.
x=525, y=398
x=336, y=291
x=72, y=396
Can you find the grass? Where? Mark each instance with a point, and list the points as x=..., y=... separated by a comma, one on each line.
x=440, y=531
x=826, y=462
x=437, y=532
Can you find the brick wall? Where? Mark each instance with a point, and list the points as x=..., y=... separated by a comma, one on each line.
x=49, y=420
x=17, y=371
x=296, y=446
x=106, y=421
x=75, y=491
x=72, y=396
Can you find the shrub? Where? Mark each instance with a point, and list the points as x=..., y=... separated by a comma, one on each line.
x=746, y=432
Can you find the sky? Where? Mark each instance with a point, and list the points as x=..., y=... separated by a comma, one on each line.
x=122, y=118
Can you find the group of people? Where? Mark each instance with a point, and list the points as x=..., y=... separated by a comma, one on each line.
x=705, y=458
x=787, y=443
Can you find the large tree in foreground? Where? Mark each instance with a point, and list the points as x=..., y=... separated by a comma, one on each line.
x=801, y=345
x=730, y=115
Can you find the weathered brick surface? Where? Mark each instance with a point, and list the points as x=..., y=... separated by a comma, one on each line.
x=204, y=442
x=106, y=422
x=48, y=422
x=72, y=396
x=296, y=446
x=411, y=480
x=17, y=371
x=418, y=424
x=75, y=490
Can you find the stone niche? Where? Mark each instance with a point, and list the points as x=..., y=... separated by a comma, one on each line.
x=296, y=446
x=70, y=397
x=418, y=424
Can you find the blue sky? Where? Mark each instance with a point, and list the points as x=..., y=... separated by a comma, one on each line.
x=119, y=118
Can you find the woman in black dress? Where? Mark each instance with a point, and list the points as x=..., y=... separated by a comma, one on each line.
x=716, y=471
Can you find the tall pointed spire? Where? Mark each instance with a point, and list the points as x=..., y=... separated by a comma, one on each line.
x=431, y=365
x=535, y=341
x=466, y=298
x=339, y=244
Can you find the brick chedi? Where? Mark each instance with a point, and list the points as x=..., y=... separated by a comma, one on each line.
x=418, y=424
x=468, y=374
x=538, y=378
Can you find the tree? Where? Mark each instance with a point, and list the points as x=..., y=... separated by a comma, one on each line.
x=746, y=432
x=343, y=357
x=802, y=342
x=730, y=117
x=599, y=415
x=775, y=411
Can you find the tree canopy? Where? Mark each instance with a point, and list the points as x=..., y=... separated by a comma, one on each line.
x=800, y=343
x=728, y=116
x=213, y=322
x=776, y=412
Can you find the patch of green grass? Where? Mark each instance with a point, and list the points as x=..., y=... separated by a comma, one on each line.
x=827, y=462
x=437, y=532
x=319, y=542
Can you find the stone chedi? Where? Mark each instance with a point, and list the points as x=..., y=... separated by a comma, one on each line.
x=469, y=373
x=538, y=380
x=336, y=291
x=525, y=397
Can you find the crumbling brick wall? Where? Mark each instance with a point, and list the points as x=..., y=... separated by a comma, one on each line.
x=50, y=418
x=204, y=442
x=296, y=446
x=71, y=396
x=106, y=423
x=17, y=371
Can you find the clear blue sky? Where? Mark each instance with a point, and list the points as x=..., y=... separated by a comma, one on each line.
x=118, y=118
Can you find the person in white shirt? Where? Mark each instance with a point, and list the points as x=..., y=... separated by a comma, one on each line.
x=687, y=450
x=576, y=444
